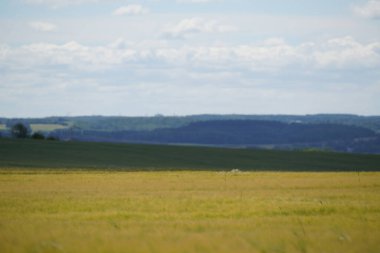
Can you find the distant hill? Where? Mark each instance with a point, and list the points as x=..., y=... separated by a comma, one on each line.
x=340, y=132
x=247, y=132
x=120, y=123
x=242, y=133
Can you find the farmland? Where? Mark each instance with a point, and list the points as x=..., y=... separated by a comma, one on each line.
x=40, y=127
x=46, y=127
x=71, y=155
x=100, y=211
x=101, y=197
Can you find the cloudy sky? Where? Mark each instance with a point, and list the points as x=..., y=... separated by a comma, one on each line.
x=180, y=57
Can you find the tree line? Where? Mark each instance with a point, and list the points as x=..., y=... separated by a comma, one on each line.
x=23, y=131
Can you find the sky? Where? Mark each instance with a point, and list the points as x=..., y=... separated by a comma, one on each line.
x=182, y=57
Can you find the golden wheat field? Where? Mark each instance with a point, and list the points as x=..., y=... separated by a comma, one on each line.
x=92, y=211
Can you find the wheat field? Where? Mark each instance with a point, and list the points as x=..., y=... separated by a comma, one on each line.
x=100, y=211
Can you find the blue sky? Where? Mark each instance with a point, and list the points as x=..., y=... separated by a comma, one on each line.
x=180, y=57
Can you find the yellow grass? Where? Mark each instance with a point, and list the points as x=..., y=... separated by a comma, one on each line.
x=189, y=212
x=3, y=127
x=46, y=127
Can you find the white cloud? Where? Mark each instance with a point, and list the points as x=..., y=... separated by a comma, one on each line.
x=275, y=55
x=272, y=75
x=270, y=55
x=195, y=1
x=4, y=50
x=59, y=3
x=371, y=9
x=209, y=68
x=132, y=9
x=191, y=26
x=119, y=44
x=73, y=55
x=347, y=53
x=43, y=26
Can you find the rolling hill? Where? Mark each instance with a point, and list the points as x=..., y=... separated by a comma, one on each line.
x=67, y=155
x=340, y=132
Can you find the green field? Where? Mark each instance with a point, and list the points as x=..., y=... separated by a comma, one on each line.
x=46, y=127
x=53, y=154
x=40, y=127
x=97, y=197
x=77, y=211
